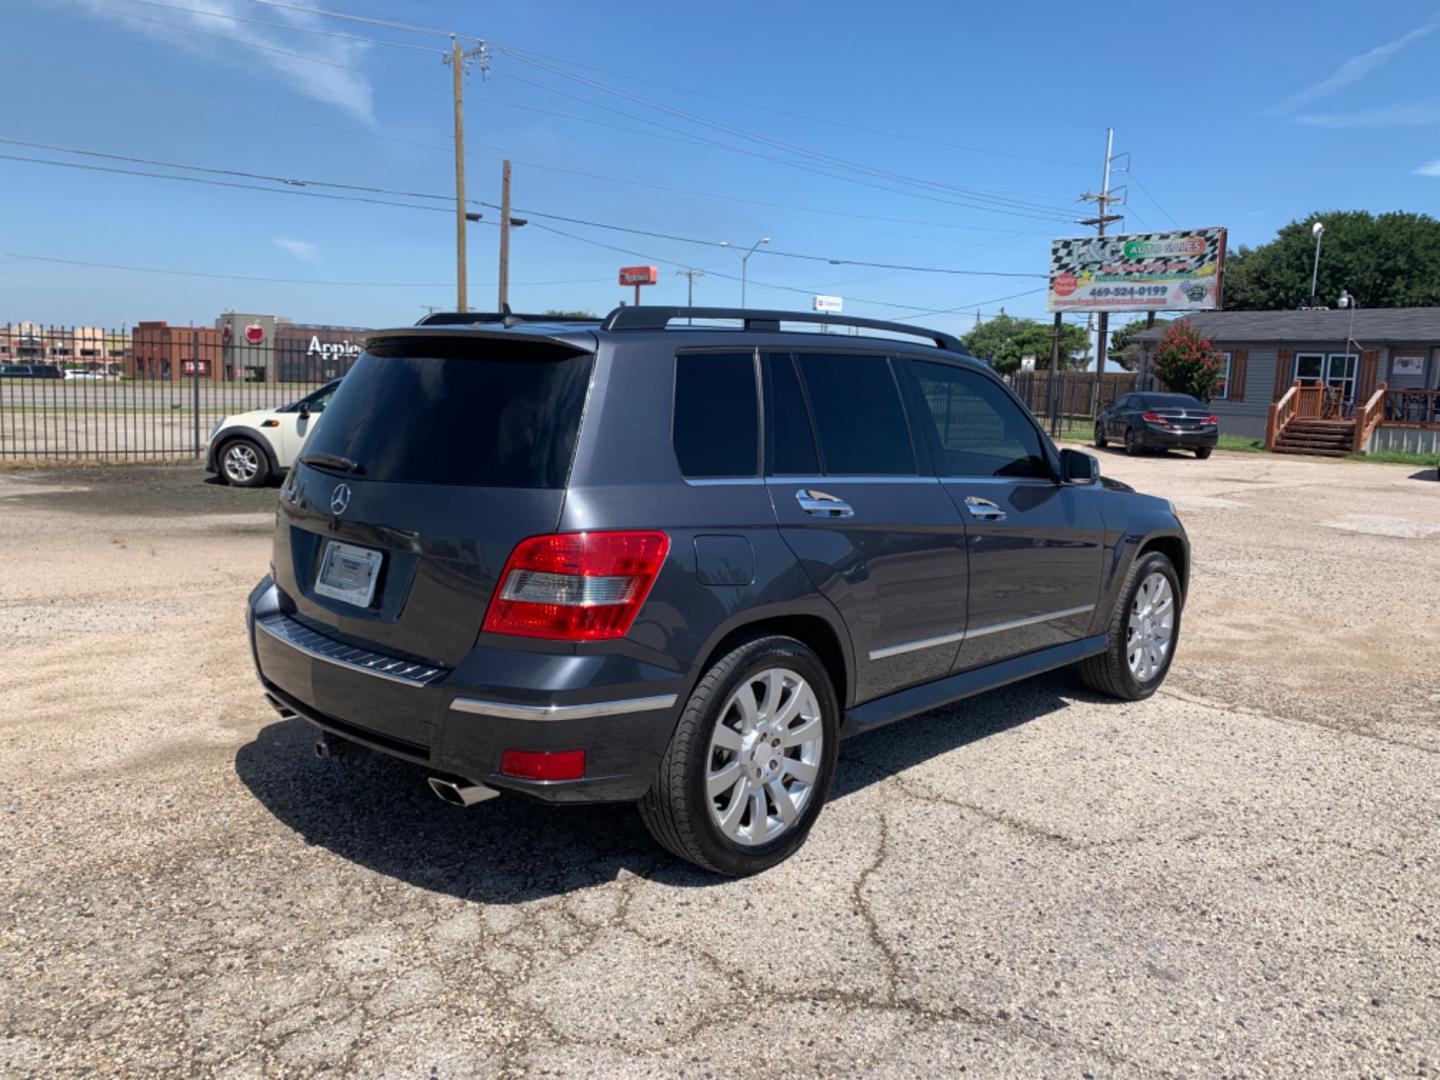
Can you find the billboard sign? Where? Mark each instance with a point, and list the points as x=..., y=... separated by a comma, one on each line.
x=1170, y=271
x=833, y=305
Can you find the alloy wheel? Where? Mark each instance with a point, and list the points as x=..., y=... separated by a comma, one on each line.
x=241, y=463
x=764, y=757
x=1151, y=627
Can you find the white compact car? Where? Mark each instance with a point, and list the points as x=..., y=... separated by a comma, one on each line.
x=247, y=449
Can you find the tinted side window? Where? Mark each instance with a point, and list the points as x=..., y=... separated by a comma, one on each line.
x=979, y=429
x=717, y=427
x=789, y=440
x=857, y=411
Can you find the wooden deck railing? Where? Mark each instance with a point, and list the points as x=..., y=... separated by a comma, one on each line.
x=1281, y=413
x=1368, y=418
x=1412, y=408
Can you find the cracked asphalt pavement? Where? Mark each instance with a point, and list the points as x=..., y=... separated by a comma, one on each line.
x=1238, y=877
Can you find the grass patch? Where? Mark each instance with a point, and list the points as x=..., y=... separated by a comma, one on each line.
x=1393, y=457
x=1241, y=444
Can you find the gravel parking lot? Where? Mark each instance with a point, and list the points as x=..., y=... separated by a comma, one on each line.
x=1240, y=876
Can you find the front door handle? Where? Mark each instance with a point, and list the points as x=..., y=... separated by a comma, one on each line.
x=822, y=504
x=983, y=509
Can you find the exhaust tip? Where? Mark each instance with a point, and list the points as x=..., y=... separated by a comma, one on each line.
x=460, y=792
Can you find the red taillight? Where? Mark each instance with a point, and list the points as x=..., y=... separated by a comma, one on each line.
x=1211, y=420
x=543, y=765
x=1152, y=418
x=576, y=586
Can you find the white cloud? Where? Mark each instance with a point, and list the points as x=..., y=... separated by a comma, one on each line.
x=1401, y=114
x=1430, y=168
x=1357, y=67
x=320, y=68
x=301, y=249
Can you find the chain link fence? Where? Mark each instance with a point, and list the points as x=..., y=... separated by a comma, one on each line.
x=155, y=392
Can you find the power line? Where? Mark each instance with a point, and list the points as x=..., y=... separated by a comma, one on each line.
x=288, y=26
x=290, y=183
x=223, y=183
x=780, y=144
x=362, y=19
x=808, y=118
x=254, y=45
x=1000, y=203
x=279, y=280
x=1152, y=198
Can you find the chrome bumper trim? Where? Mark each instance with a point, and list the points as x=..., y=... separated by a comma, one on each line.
x=317, y=646
x=993, y=628
x=506, y=711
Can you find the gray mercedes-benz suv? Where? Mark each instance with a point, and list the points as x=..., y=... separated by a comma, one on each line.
x=676, y=555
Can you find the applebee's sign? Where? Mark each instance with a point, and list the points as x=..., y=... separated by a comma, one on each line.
x=327, y=350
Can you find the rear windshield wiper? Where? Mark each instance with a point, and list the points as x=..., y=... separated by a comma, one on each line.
x=334, y=461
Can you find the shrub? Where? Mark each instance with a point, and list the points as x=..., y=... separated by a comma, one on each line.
x=1187, y=363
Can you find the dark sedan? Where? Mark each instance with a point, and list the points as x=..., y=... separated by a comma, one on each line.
x=1158, y=422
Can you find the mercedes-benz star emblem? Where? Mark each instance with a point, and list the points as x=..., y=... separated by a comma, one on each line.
x=340, y=499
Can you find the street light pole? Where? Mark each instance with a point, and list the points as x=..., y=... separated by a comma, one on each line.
x=745, y=263
x=1319, y=230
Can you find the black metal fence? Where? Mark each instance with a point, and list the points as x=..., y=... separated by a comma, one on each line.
x=1070, y=400
x=152, y=393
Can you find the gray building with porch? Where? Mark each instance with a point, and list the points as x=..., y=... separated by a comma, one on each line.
x=1325, y=381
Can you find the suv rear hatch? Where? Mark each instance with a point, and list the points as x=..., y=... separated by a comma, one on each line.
x=440, y=451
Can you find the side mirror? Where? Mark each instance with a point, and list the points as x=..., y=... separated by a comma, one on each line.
x=1079, y=467
x=304, y=411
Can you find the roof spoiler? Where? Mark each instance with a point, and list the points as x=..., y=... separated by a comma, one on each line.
x=660, y=318
x=505, y=317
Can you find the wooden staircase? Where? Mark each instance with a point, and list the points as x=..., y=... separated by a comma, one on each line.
x=1324, y=438
x=1308, y=420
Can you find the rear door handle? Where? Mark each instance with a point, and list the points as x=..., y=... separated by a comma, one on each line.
x=822, y=504
x=983, y=509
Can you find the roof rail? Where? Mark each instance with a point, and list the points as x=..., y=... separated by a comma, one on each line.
x=508, y=317
x=659, y=318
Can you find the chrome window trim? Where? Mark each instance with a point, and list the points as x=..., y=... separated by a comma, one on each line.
x=994, y=628
x=347, y=656
x=508, y=711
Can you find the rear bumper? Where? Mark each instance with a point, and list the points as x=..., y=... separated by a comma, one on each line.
x=459, y=723
x=1159, y=439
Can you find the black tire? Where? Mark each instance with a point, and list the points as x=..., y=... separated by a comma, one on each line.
x=1109, y=672
x=1131, y=446
x=1100, y=439
x=230, y=470
x=676, y=809
x=1202, y=452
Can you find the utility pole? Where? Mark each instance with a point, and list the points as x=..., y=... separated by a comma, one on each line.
x=457, y=60
x=690, y=285
x=504, y=235
x=1100, y=220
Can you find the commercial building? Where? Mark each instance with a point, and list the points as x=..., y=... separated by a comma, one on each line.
x=1336, y=362
x=161, y=351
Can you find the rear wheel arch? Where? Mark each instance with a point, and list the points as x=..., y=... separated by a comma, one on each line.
x=813, y=631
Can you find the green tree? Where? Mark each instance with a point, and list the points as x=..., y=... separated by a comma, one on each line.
x=1124, y=349
x=1186, y=362
x=1384, y=260
x=1004, y=340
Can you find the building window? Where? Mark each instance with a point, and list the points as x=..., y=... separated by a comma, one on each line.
x=1222, y=384
x=1334, y=369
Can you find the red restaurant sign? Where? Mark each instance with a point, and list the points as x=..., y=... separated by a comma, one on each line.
x=639, y=275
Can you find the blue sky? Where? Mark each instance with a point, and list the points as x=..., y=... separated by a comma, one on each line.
x=925, y=134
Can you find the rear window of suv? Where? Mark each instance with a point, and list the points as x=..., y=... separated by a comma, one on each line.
x=472, y=413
